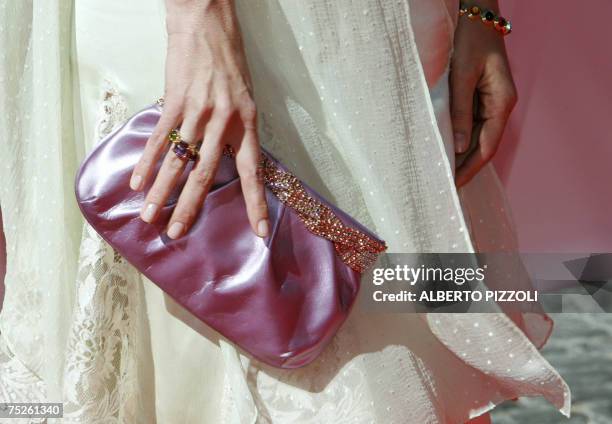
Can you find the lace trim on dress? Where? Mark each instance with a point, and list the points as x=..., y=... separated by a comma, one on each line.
x=100, y=377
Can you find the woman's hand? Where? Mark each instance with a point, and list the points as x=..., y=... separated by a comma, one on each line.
x=207, y=94
x=479, y=67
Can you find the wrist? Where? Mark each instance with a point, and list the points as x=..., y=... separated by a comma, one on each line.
x=485, y=12
x=492, y=5
x=199, y=16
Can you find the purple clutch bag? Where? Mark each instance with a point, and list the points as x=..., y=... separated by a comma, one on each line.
x=282, y=298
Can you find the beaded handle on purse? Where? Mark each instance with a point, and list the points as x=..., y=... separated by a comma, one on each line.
x=488, y=17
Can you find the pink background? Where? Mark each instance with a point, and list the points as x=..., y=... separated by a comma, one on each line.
x=555, y=157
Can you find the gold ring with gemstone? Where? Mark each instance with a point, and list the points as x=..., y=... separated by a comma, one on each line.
x=181, y=148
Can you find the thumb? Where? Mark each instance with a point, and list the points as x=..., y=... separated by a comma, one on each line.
x=462, y=102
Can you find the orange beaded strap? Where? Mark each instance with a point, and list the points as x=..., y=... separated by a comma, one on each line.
x=355, y=248
x=488, y=17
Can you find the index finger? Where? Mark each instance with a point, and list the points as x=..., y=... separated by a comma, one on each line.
x=154, y=147
x=488, y=142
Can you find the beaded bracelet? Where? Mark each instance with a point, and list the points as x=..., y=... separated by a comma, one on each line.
x=488, y=17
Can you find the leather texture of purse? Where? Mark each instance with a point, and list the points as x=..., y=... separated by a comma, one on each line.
x=280, y=299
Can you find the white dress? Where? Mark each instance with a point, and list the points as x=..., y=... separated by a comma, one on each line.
x=353, y=97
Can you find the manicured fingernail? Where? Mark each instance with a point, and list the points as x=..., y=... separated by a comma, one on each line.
x=149, y=213
x=460, y=142
x=263, y=228
x=176, y=230
x=135, y=182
